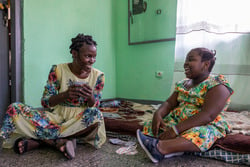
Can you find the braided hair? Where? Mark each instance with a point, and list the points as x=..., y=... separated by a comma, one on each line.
x=207, y=55
x=79, y=40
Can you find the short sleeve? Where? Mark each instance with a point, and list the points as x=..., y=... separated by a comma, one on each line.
x=217, y=80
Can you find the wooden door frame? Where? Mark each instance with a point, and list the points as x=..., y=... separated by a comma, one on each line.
x=16, y=51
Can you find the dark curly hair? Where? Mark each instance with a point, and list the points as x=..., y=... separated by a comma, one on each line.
x=206, y=55
x=79, y=40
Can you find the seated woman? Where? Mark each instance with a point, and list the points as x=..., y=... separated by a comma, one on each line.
x=191, y=119
x=72, y=93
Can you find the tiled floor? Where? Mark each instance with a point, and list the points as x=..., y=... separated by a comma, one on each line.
x=87, y=156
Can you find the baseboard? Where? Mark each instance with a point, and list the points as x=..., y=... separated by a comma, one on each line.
x=136, y=100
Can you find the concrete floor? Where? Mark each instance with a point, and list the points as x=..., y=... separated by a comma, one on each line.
x=87, y=156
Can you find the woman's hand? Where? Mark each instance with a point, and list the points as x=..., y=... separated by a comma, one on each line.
x=167, y=134
x=84, y=91
x=72, y=92
x=157, y=123
x=76, y=91
x=164, y=109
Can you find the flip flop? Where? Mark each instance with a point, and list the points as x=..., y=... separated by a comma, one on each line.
x=25, y=145
x=117, y=141
x=74, y=143
x=130, y=150
x=69, y=150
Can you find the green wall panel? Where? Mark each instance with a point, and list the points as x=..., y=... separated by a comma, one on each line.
x=136, y=64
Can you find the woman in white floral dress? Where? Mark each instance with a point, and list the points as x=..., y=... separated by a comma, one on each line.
x=71, y=97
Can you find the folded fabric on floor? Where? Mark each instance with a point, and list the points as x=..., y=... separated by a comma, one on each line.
x=227, y=156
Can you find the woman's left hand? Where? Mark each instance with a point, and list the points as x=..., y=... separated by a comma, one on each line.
x=86, y=92
x=167, y=134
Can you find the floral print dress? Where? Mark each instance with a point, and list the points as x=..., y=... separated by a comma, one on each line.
x=64, y=119
x=190, y=103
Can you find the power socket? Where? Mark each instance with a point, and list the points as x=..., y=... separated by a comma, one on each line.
x=159, y=74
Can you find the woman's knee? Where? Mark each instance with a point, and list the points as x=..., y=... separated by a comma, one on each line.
x=15, y=108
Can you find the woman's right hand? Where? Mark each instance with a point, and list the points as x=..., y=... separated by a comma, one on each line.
x=157, y=123
x=73, y=92
x=164, y=109
x=82, y=91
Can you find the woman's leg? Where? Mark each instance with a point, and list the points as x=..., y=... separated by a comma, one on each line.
x=87, y=126
x=176, y=145
x=24, y=120
x=84, y=132
x=157, y=149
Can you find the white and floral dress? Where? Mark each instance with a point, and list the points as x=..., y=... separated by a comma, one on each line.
x=63, y=120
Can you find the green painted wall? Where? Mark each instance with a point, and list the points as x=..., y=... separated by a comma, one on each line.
x=136, y=64
x=49, y=25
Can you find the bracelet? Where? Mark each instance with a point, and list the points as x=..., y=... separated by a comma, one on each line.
x=175, y=130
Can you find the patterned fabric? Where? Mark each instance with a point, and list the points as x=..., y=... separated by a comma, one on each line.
x=239, y=122
x=227, y=156
x=64, y=119
x=190, y=103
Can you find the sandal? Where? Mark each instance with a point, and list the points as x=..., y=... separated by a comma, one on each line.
x=68, y=148
x=74, y=143
x=27, y=146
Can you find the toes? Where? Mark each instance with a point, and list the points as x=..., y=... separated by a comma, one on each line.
x=62, y=148
x=66, y=155
x=20, y=144
x=20, y=147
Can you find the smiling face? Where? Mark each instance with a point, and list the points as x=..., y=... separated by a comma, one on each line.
x=84, y=58
x=194, y=67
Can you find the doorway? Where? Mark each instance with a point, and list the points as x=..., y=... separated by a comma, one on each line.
x=10, y=54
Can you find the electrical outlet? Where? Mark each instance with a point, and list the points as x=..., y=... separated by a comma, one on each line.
x=158, y=74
